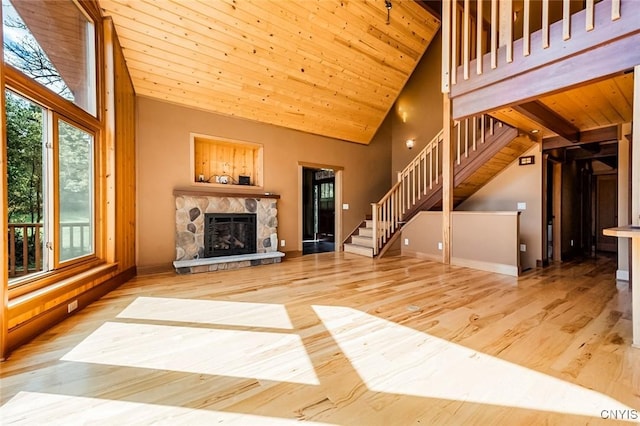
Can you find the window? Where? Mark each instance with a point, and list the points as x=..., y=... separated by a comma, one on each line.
x=51, y=144
x=52, y=42
x=51, y=187
x=75, y=191
x=26, y=129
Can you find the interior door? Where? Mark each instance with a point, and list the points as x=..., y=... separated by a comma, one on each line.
x=606, y=211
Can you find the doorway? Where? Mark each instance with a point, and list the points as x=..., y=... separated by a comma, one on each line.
x=318, y=210
x=606, y=211
x=580, y=199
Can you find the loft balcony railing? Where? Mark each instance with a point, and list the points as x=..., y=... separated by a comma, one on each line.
x=26, y=242
x=486, y=42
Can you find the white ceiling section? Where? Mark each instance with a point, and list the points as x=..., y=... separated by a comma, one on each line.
x=328, y=67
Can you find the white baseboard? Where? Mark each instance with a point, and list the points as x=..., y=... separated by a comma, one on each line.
x=622, y=275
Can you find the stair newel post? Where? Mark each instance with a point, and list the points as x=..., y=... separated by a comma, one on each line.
x=447, y=178
x=374, y=219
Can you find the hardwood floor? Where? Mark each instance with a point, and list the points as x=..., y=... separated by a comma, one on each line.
x=336, y=338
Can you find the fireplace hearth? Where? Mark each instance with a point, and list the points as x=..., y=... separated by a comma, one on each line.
x=229, y=234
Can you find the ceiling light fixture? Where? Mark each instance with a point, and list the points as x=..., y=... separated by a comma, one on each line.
x=388, y=5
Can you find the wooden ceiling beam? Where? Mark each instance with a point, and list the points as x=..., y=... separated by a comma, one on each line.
x=540, y=113
x=605, y=134
x=578, y=153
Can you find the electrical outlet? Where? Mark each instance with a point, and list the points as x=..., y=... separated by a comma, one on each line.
x=406, y=241
x=523, y=247
x=439, y=245
x=72, y=306
x=522, y=206
x=282, y=243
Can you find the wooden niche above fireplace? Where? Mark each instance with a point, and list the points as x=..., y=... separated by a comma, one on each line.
x=218, y=162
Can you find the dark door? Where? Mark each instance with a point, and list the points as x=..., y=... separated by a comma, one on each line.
x=606, y=211
x=318, y=210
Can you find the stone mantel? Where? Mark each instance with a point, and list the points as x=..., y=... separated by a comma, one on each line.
x=216, y=192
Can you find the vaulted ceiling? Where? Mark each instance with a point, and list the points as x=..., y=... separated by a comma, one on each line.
x=328, y=67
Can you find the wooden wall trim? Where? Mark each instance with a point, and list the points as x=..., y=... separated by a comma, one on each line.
x=109, y=207
x=4, y=244
x=218, y=193
x=36, y=325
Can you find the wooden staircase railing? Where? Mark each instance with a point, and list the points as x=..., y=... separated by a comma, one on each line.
x=421, y=177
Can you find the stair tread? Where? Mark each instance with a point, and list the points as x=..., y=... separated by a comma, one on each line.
x=358, y=249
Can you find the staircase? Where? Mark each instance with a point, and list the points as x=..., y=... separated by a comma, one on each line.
x=362, y=240
x=483, y=147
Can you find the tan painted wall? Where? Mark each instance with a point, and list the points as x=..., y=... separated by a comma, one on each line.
x=421, y=100
x=163, y=164
x=420, y=237
x=489, y=237
x=516, y=184
x=481, y=240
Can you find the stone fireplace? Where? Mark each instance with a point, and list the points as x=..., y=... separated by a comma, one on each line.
x=201, y=246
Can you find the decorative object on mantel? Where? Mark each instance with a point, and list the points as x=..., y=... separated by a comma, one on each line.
x=191, y=208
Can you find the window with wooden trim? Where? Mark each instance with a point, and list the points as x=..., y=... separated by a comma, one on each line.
x=52, y=141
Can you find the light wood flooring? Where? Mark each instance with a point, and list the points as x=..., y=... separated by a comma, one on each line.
x=336, y=338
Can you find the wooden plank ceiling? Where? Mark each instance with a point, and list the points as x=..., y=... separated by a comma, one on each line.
x=328, y=67
x=601, y=104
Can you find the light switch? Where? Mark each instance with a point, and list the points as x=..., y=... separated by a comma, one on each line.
x=522, y=206
x=345, y=206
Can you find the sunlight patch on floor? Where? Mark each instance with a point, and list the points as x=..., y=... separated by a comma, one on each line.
x=31, y=408
x=236, y=353
x=396, y=359
x=208, y=312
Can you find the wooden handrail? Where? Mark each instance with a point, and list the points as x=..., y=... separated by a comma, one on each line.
x=420, y=177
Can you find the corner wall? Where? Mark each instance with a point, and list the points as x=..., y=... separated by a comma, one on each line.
x=417, y=113
x=503, y=193
x=163, y=164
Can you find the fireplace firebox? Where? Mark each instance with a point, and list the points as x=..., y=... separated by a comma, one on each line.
x=229, y=234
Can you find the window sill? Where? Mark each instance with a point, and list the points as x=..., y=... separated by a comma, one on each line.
x=26, y=302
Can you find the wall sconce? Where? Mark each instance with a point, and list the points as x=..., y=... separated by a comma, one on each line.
x=410, y=143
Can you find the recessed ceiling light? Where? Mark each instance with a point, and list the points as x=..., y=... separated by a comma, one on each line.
x=534, y=131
